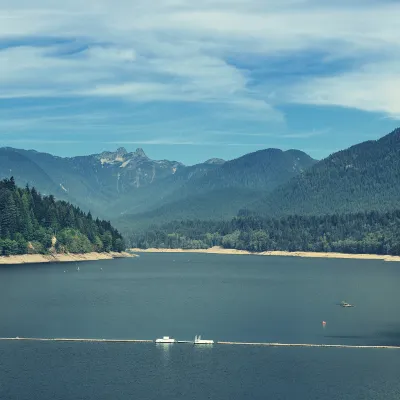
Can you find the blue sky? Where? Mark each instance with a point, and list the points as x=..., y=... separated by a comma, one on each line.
x=190, y=80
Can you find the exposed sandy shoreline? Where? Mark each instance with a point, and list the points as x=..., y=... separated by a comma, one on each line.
x=39, y=258
x=219, y=250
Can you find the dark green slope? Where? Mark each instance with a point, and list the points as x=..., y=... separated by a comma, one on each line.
x=190, y=191
x=164, y=191
x=218, y=204
x=263, y=169
x=221, y=192
x=26, y=171
x=81, y=179
x=112, y=184
x=361, y=178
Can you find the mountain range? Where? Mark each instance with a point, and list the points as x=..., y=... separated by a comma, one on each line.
x=133, y=190
x=118, y=183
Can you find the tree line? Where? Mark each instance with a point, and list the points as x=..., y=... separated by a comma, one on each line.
x=32, y=223
x=365, y=232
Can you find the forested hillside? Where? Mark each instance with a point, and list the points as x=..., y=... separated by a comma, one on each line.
x=214, y=205
x=31, y=223
x=364, y=233
x=364, y=177
x=216, y=193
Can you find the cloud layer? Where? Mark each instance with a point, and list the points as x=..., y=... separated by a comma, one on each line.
x=232, y=55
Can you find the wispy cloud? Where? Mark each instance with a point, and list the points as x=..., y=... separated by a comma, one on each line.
x=368, y=89
x=292, y=135
x=210, y=52
x=306, y=135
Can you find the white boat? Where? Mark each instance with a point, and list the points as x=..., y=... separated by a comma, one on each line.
x=199, y=340
x=345, y=304
x=166, y=339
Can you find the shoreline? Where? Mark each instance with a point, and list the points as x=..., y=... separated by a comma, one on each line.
x=305, y=254
x=57, y=258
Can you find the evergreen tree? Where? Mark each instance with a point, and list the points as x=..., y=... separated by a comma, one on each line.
x=28, y=222
x=367, y=232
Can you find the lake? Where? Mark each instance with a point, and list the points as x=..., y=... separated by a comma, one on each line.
x=221, y=297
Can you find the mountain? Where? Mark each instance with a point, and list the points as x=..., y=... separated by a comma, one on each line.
x=118, y=183
x=362, y=178
x=25, y=171
x=263, y=169
x=215, y=205
x=221, y=192
x=92, y=182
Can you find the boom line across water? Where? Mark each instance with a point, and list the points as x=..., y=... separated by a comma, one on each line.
x=265, y=344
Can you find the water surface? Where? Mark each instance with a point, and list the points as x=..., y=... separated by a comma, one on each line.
x=221, y=297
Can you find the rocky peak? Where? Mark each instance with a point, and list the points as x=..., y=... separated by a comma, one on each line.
x=109, y=157
x=121, y=151
x=140, y=153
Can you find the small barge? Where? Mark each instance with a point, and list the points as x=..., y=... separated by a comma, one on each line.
x=166, y=339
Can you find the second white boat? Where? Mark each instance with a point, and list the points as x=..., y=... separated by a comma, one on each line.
x=199, y=340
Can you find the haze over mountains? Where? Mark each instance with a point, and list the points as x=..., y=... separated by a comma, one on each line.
x=133, y=190
x=111, y=184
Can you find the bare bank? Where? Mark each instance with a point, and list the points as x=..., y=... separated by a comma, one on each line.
x=51, y=258
x=220, y=250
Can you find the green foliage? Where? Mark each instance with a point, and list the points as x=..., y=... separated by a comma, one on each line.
x=107, y=241
x=29, y=221
x=72, y=241
x=368, y=232
x=35, y=247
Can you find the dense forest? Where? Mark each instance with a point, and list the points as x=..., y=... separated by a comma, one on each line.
x=364, y=177
x=31, y=223
x=367, y=232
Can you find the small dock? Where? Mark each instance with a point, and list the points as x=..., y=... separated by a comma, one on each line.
x=265, y=344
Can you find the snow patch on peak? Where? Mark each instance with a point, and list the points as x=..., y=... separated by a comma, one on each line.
x=124, y=164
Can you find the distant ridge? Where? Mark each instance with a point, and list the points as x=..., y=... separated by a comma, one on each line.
x=115, y=183
x=363, y=177
x=221, y=192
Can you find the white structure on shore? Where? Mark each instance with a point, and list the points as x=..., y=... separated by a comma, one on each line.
x=199, y=340
x=166, y=339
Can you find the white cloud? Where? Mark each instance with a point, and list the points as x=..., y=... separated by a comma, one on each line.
x=375, y=88
x=180, y=50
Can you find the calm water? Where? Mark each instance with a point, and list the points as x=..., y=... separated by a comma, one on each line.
x=233, y=298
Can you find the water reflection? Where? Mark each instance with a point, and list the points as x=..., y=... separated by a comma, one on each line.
x=164, y=349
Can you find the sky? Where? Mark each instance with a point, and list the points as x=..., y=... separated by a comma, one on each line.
x=190, y=80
